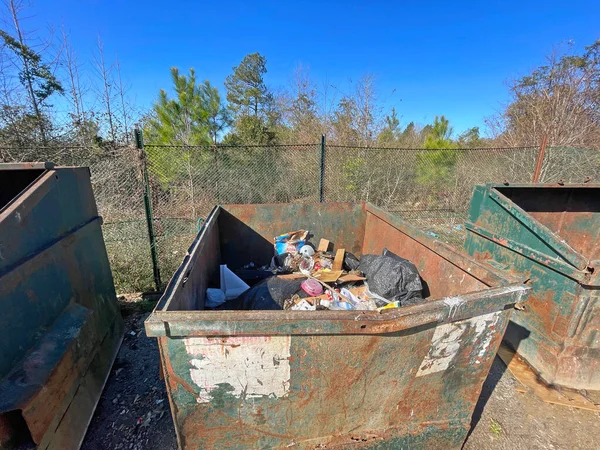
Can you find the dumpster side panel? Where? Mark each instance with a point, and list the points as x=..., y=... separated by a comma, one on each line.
x=416, y=387
x=203, y=271
x=37, y=292
x=580, y=358
x=247, y=231
x=487, y=213
x=64, y=196
x=558, y=331
x=59, y=304
x=60, y=353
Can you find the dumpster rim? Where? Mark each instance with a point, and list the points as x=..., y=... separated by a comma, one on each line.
x=442, y=310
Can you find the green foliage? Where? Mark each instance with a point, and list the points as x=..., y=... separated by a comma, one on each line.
x=354, y=174
x=409, y=130
x=496, y=428
x=436, y=164
x=251, y=130
x=247, y=92
x=345, y=126
x=440, y=135
x=470, y=139
x=34, y=71
x=182, y=120
x=19, y=128
x=194, y=117
x=252, y=105
x=390, y=134
x=218, y=116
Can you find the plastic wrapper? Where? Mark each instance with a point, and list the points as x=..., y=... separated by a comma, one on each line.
x=290, y=242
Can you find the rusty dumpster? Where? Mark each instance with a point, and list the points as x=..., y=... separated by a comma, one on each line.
x=549, y=234
x=60, y=321
x=406, y=378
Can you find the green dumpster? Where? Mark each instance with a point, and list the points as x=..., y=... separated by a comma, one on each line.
x=549, y=235
x=60, y=320
x=403, y=378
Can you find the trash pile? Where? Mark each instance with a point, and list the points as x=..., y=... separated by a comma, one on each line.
x=304, y=278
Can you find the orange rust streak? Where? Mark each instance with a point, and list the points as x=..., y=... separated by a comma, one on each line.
x=171, y=375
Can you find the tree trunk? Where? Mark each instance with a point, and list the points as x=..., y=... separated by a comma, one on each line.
x=27, y=70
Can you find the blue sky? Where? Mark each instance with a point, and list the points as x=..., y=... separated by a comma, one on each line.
x=440, y=57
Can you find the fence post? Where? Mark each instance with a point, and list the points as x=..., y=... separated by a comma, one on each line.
x=322, y=178
x=139, y=143
x=540, y=160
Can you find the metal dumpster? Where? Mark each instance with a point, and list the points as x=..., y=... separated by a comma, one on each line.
x=60, y=321
x=407, y=378
x=549, y=234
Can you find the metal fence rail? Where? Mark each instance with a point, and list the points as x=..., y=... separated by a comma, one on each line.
x=154, y=198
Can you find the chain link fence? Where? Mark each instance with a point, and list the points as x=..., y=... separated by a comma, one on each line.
x=187, y=182
x=429, y=188
x=116, y=177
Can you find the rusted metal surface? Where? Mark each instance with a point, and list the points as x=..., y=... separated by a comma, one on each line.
x=549, y=234
x=59, y=304
x=406, y=378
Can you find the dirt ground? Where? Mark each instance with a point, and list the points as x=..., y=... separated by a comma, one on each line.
x=133, y=412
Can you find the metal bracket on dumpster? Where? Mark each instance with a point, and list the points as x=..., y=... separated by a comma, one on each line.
x=529, y=252
x=544, y=233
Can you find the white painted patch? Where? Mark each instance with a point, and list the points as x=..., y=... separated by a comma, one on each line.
x=481, y=324
x=446, y=341
x=454, y=304
x=254, y=366
x=444, y=347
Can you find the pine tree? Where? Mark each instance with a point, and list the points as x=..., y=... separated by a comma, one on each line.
x=182, y=120
x=247, y=92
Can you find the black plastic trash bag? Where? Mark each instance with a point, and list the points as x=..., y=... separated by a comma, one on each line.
x=268, y=294
x=392, y=277
x=351, y=262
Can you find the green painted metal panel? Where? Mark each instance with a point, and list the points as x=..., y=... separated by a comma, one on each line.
x=58, y=303
x=549, y=234
x=406, y=378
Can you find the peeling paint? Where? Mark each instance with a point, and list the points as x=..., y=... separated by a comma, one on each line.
x=446, y=341
x=246, y=366
x=445, y=345
x=483, y=324
x=454, y=304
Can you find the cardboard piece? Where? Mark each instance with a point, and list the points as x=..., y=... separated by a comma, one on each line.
x=329, y=276
x=338, y=261
x=323, y=245
x=350, y=277
x=292, y=276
